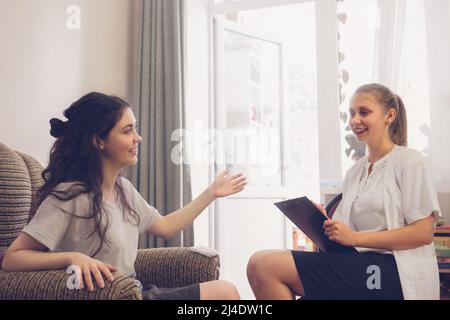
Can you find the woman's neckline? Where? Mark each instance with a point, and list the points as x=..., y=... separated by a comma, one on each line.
x=375, y=163
x=110, y=203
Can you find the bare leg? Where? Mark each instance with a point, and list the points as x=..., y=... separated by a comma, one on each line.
x=272, y=275
x=218, y=290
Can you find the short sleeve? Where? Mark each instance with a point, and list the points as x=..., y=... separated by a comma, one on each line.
x=418, y=193
x=147, y=213
x=49, y=224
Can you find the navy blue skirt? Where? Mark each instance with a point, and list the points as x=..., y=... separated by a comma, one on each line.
x=348, y=276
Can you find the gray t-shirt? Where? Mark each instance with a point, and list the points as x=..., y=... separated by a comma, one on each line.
x=59, y=231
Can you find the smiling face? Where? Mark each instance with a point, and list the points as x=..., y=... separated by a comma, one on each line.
x=369, y=120
x=120, y=148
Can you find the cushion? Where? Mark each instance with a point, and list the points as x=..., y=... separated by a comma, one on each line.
x=17, y=193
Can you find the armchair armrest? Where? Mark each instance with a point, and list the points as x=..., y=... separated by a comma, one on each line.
x=175, y=267
x=52, y=285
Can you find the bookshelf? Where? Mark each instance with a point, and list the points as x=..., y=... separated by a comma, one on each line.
x=442, y=244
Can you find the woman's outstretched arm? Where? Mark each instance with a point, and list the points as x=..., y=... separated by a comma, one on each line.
x=178, y=220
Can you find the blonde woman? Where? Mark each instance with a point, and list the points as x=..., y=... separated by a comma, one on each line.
x=388, y=212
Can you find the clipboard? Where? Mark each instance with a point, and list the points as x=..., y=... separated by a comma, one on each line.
x=304, y=214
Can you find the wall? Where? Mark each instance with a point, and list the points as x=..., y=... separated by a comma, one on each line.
x=44, y=66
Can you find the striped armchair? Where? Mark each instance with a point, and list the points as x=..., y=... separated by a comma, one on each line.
x=20, y=177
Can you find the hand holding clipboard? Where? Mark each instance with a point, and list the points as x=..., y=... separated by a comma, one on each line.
x=310, y=219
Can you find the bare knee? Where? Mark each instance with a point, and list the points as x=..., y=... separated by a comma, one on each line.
x=229, y=290
x=218, y=290
x=259, y=264
x=266, y=268
x=253, y=263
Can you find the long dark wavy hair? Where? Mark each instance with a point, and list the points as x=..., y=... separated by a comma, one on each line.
x=75, y=158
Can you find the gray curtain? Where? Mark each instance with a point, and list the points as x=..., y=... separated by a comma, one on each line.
x=159, y=112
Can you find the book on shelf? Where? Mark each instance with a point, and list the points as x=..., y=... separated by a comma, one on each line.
x=442, y=241
x=442, y=251
x=444, y=229
x=443, y=263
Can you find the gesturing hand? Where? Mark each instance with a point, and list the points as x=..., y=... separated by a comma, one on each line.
x=224, y=185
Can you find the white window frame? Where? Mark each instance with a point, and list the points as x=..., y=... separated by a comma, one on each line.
x=330, y=149
x=327, y=75
x=327, y=79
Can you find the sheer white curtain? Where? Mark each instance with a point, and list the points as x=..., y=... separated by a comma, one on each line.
x=389, y=39
x=412, y=57
x=438, y=49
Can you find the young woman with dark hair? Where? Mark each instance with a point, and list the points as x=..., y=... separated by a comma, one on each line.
x=89, y=216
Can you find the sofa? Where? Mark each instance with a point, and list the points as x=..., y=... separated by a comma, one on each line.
x=20, y=178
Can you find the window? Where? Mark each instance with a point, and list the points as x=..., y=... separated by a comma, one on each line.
x=266, y=76
x=358, y=25
x=265, y=92
x=395, y=43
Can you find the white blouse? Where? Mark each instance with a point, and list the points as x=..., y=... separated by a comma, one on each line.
x=398, y=192
x=367, y=212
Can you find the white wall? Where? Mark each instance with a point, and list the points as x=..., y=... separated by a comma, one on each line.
x=44, y=66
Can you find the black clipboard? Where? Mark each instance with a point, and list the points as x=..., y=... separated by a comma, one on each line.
x=304, y=214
